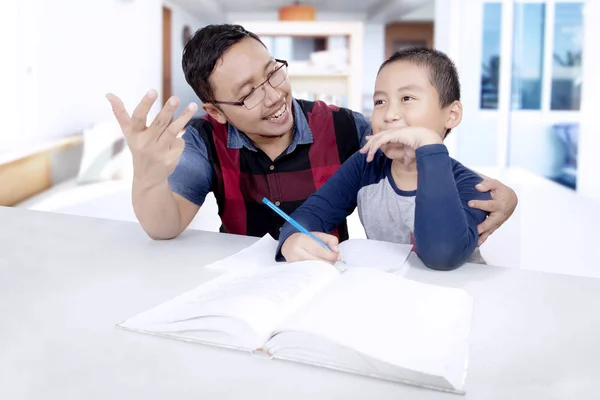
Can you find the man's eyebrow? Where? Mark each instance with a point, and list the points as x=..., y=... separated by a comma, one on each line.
x=248, y=81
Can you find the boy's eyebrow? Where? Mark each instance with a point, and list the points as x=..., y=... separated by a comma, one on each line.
x=248, y=81
x=411, y=87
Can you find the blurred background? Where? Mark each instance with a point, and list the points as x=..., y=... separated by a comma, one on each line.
x=527, y=69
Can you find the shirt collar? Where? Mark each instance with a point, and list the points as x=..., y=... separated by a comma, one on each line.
x=302, y=134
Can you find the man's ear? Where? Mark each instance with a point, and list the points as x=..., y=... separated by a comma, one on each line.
x=455, y=115
x=214, y=112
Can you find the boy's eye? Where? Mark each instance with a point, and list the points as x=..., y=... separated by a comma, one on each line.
x=406, y=98
x=378, y=102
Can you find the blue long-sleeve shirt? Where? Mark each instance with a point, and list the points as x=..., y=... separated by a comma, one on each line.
x=435, y=217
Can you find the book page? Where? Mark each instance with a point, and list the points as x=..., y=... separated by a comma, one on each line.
x=256, y=301
x=368, y=253
x=258, y=255
x=405, y=323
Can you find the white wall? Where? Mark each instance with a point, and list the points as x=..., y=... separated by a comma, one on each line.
x=8, y=72
x=421, y=14
x=374, y=56
x=588, y=178
x=179, y=87
x=274, y=16
x=374, y=42
x=73, y=52
x=448, y=32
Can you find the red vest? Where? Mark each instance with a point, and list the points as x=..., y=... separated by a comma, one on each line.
x=242, y=177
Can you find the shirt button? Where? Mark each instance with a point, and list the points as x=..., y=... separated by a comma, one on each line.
x=280, y=228
x=277, y=203
x=272, y=167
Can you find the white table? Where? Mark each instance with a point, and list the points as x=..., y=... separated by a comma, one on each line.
x=65, y=281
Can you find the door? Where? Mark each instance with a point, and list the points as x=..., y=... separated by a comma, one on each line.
x=166, y=46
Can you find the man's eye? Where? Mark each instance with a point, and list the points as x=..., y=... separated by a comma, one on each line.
x=247, y=94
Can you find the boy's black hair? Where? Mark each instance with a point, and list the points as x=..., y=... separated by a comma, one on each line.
x=442, y=71
x=203, y=51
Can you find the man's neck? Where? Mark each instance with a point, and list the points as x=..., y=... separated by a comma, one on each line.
x=273, y=146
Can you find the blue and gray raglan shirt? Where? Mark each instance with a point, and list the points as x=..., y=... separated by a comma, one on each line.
x=435, y=218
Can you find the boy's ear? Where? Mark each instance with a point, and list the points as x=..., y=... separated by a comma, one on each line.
x=455, y=115
x=215, y=112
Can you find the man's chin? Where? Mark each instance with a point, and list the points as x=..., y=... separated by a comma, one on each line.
x=277, y=133
x=273, y=136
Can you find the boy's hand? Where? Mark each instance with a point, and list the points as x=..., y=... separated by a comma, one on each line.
x=410, y=137
x=501, y=207
x=301, y=247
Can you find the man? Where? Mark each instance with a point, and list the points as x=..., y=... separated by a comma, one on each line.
x=255, y=141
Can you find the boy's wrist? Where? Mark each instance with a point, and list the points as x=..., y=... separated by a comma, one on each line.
x=432, y=138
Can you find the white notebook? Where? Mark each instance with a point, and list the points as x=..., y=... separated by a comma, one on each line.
x=367, y=253
x=364, y=321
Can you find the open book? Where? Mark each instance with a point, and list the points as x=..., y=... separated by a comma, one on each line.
x=364, y=321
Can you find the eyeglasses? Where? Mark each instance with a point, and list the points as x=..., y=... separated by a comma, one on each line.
x=256, y=96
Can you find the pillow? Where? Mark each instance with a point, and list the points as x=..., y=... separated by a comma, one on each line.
x=105, y=154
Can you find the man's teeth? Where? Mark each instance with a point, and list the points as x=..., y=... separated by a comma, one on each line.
x=278, y=114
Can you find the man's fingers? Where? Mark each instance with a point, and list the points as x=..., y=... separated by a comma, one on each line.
x=179, y=124
x=162, y=121
x=484, y=205
x=488, y=185
x=119, y=111
x=483, y=238
x=486, y=226
x=140, y=114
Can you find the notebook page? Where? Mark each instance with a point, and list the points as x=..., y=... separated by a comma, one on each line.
x=386, y=256
x=404, y=323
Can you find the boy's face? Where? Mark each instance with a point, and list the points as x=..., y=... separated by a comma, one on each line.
x=404, y=96
x=245, y=66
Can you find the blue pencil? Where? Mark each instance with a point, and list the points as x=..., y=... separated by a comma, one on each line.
x=295, y=224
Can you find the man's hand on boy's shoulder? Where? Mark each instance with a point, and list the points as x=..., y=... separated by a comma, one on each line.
x=410, y=137
x=501, y=207
x=301, y=247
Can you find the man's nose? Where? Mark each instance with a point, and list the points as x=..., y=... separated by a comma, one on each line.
x=271, y=95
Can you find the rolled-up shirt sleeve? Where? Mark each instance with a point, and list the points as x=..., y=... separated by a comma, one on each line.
x=193, y=176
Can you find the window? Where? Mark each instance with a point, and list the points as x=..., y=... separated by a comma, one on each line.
x=490, y=68
x=566, y=58
x=528, y=56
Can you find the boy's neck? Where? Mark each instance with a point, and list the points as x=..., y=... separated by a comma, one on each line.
x=405, y=176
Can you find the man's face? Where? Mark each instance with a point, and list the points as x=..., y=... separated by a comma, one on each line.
x=244, y=67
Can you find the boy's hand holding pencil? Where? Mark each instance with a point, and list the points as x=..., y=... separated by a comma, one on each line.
x=301, y=247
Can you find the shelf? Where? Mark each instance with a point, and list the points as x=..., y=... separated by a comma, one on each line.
x=327, y=79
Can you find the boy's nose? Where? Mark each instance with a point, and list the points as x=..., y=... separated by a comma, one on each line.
x=392, y=114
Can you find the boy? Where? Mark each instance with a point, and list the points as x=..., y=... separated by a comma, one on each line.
x=411, y=191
